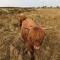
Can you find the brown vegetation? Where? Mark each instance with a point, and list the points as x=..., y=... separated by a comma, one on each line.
x=10, y=34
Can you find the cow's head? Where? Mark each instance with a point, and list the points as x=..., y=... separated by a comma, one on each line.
x=36, y=35
x=21, y=17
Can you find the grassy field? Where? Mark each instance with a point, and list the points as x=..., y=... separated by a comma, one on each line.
x=10, y=42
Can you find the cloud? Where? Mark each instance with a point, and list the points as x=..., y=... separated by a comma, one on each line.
x=28, y=3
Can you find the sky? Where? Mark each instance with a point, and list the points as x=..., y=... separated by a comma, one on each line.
x=29, y=3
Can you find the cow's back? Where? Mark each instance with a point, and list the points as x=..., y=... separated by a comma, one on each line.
x=26, y=26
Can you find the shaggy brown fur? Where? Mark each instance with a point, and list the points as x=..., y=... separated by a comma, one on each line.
x=31, y=34
x=26, y=26
x=36, y=36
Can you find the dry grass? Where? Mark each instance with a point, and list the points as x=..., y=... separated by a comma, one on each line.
x=10, y=34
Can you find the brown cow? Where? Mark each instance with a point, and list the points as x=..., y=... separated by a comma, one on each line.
x=31, y=33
